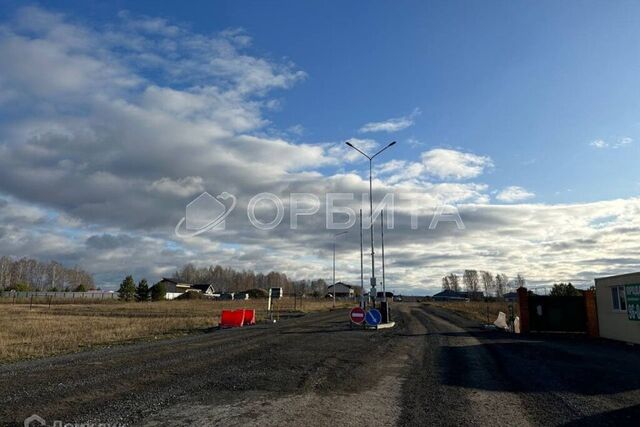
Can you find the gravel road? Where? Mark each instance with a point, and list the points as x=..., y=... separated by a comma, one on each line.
x=434, y=368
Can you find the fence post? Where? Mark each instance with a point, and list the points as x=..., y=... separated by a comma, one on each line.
x=523, y=303
x=591, y=311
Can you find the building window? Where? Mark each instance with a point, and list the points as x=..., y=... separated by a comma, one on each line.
x=618, y=298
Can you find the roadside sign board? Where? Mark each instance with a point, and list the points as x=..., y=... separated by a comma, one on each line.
x=357, y=315
x=373, y=317
x=632, y=294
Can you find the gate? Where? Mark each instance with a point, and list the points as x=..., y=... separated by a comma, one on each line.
x=565, y=314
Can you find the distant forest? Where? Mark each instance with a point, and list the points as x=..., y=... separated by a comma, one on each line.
x=229, y=280
x=27, y=274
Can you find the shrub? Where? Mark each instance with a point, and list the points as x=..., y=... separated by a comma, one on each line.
x=192, y=296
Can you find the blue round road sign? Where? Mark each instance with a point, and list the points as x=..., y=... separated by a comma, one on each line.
x=373, y=317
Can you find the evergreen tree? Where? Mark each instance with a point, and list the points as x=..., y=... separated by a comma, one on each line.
x=127, y=289
x=142, y=291
x=158, y=292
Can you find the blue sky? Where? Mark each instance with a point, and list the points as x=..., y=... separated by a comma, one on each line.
x=530, y=84
x=537, y=100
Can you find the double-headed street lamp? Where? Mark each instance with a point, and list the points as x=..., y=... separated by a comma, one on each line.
x=373, y=270
x=334, y=265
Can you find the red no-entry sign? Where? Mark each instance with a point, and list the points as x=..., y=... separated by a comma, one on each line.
x=357, y=315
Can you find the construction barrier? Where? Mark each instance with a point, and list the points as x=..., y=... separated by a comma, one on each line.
x=232, y=318
x=249, y=317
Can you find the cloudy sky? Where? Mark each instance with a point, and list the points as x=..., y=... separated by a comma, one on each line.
x=115, y=116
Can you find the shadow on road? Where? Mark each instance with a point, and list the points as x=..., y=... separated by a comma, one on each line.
x=576, y=366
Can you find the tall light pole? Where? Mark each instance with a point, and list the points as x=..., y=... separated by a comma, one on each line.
x=362, y=304
x=373, y=267
x=334, y=265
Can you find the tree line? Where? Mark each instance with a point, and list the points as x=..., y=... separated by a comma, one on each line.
x=223, y=279
x=475, y=281
x=26, y=274
x=226, y=279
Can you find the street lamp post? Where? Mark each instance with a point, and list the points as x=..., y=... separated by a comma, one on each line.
x=334, y=265
x=362, y=303
x=373, y=269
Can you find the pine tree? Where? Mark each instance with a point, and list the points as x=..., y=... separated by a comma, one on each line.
x=158, y=292
x=142, y=291
x=127, y=289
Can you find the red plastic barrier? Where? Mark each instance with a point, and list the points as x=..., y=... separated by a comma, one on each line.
x=232, y=318
x=249, y=317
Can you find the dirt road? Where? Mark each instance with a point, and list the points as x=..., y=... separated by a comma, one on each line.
x=433, y=368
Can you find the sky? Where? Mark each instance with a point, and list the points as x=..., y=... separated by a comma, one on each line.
x=524, y=116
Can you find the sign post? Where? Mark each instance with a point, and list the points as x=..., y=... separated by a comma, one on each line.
x=357, y=315
x=373, y=317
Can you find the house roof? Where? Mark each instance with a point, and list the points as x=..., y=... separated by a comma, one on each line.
x=342, y=284
x=202, y=286
x=448, y=293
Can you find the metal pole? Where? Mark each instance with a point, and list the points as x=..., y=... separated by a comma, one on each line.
x=334, y=271
x=384, y=281
x=373, y=267
x=362, y=304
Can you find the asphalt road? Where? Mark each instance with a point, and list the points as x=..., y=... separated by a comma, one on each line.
x=434, y=368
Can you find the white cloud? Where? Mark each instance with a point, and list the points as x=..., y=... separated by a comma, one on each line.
x=391, y=125
x=514, y=194
x=181, y=187
x=99, y=160
x=340, y=152
x=621, y=142
x=451, y=164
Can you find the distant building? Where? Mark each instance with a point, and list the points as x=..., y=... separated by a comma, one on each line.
x=618, y=305
x=450, y=295
x=342, y=290
x=510, y=297
x=175, y=288
x=205, y=288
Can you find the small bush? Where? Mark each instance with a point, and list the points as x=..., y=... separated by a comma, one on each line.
x=192, y=296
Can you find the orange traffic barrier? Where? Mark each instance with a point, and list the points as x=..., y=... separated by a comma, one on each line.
x=249, y=317
x=232, y=318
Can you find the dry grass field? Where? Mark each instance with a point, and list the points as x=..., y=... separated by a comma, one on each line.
x=477, y=310
x=44, y=330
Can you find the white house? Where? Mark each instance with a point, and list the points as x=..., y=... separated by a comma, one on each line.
x=342, y=290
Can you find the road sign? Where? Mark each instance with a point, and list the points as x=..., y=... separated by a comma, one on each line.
x=373, y=317
x=357, y=315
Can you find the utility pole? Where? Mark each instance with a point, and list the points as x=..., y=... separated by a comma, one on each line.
x=362, y=303
x=373, y=267
x=385, y=314
x=334, y=265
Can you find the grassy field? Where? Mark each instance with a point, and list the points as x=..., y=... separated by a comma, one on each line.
x=477, y=310
x=43, y=330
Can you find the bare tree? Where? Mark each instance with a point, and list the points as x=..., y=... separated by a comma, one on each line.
x=454, y=282
x=446, y=285
x=488, y=282
x=501, y=284
x=520, y=282
x=471, y=282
